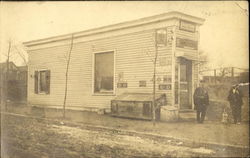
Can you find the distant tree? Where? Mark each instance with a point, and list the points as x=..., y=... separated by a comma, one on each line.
x=21, y=54
x=203, y=60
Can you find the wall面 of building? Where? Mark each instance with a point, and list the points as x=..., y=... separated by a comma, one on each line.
x=116, y=59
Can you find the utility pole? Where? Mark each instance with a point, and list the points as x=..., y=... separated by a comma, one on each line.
x=232, y=72
x=214, y=75
x=154, y=103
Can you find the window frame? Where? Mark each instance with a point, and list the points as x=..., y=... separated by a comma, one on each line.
x=93, y=74
x=47, y=92
x=39, y=82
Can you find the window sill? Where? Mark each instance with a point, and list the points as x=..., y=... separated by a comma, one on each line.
x=103, y=94
x=42, y=93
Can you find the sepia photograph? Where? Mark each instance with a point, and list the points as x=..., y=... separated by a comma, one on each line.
x=124, y=79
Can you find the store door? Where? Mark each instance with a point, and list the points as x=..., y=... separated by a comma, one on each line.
x=185, y=84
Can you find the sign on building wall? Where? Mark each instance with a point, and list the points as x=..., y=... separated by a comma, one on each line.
x=122, y=85
x=187, y=26
x=165, y=87
x=186, y=43
x=161, y=37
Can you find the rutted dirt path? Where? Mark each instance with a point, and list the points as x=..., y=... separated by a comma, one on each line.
x=37, y=138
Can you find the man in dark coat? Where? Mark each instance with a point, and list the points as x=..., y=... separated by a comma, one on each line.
x=201, y=102
x=235, y=99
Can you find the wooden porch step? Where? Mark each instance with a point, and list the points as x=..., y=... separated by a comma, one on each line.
x=187, y=115
x=186, y=110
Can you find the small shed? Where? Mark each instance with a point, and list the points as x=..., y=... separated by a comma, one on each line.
x=137, y=105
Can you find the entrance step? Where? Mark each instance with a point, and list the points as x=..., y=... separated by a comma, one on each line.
x=187, y=115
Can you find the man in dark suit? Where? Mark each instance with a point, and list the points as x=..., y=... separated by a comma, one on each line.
x=235, y=99
x=201, y=102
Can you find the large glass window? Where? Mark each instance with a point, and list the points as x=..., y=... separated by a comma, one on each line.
x=104, y=72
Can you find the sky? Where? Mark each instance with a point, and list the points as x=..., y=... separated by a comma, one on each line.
x=223, y=36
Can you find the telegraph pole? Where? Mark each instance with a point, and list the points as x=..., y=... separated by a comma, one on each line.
x=156, y=55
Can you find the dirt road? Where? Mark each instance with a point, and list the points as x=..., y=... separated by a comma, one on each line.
x=24, y=137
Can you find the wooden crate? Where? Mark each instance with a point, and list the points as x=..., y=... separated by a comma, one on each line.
x=137, y=105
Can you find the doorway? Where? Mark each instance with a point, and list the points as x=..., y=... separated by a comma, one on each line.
x=185, y=84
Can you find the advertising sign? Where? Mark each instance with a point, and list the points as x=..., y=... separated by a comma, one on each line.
x=161, y=37
x=186, y=43
x=187, y=26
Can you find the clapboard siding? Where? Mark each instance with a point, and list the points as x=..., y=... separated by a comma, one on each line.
x=130, y=58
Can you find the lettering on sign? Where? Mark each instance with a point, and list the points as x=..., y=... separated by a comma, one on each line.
x=122, y=85
x=165, y=87
x=186, y=43
x=161, y=37
x=187, y=26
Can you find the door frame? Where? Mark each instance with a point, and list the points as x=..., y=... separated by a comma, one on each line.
x=190, y=87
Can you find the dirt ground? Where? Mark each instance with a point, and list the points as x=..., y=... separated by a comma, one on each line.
x=210, y=131
x=25, y=137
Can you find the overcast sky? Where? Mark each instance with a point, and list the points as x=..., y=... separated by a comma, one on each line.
x=224, y=35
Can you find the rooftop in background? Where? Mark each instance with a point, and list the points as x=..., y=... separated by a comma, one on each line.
x=23, y=68
x=12, y=66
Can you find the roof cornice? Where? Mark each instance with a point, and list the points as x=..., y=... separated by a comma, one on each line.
x=123, y=25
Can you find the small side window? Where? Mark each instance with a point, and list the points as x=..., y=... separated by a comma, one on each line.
x=42, y=82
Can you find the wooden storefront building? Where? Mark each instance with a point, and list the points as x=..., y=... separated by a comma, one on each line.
x=112, y=60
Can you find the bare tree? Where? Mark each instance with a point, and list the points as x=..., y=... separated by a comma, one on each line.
x=203, y=60
x=68, y=57
x=154, y=61
x=21, y=55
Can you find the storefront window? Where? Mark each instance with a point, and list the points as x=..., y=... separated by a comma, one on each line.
x=104, y=72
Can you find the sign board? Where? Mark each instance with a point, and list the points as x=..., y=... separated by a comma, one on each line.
x=161, y=37
x=165, y=87
x=187, y=26
x=186, y=43
x=122, y=85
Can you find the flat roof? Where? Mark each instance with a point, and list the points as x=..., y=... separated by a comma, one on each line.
x=118, y=26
